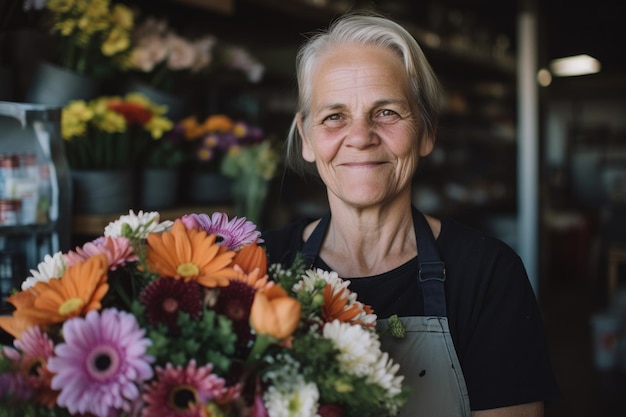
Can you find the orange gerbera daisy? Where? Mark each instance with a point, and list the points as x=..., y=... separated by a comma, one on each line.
x=254, y=278
x=192, y=255
x=79, y=290
x=250, y=257
x=337, y=307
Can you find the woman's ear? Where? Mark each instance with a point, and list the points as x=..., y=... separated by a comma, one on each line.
x=307, y=150
x=427, y=143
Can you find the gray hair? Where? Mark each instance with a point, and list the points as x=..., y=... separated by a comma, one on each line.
x=364, y=28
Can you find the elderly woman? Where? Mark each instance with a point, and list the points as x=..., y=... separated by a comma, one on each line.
x=367, y=113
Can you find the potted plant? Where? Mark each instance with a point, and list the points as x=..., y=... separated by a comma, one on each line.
x=251, y=166
x=92, y=40
x=106, y=139
x=207, y=141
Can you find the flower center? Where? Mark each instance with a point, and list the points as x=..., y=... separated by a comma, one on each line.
x=70, y=306
x=183, y=397
x=188, y=269
x=35, y=366
x=235, y=310
x=170, y=305
x=103, y=362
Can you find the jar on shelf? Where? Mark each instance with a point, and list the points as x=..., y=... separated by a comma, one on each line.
x=10, y=212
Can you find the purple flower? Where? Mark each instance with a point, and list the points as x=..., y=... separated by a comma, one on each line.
x=101, y=362
x=14, y=388
x=233, y=234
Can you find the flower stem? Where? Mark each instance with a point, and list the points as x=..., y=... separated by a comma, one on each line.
x=261, y=343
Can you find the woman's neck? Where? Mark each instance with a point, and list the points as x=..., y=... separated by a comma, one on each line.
x=364, y=242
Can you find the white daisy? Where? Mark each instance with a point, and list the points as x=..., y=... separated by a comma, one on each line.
x=358, y=348
x=383, y=374
x=311, y=277
x=51, y=267
x=138, y=225
x=289, y=395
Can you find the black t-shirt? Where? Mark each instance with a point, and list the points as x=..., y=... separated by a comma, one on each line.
x=494, y=319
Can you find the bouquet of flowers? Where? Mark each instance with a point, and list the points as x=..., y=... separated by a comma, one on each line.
x=186, y=318
x=94, y=34
x=113, y=132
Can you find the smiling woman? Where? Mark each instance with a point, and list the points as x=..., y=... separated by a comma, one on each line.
x=367, y=113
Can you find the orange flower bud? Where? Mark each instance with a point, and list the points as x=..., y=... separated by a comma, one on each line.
x=275, y=313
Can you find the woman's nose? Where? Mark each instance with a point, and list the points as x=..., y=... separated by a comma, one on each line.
x=361, y=134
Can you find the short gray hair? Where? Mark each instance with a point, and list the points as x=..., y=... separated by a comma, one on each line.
x=365, y=28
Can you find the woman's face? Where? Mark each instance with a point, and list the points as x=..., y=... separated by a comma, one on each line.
x=362, y=130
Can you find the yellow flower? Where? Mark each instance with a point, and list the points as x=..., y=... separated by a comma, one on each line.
x=65, y=27
x=157, y=126
x=191, y=255
x=117, y=41
x=60, y=6
x=122, y=16
x=111, y=122
x=240, y=129
x=74, y=119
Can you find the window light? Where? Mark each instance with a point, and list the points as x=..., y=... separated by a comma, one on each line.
x=574, y=65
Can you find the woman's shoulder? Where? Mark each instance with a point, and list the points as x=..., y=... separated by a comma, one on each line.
x=454, y=233
x=282, y=243
x=469, y=249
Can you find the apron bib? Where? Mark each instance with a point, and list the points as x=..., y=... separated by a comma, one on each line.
x=426, y=354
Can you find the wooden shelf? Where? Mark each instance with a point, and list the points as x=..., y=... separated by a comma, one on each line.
x=226, y=7
x=94, y=224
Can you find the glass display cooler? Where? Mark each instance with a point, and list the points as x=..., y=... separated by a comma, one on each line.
x=35, y=192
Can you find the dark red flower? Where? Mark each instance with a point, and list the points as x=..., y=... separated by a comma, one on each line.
x=235, y=302
x=330, y=410
x=166, y=297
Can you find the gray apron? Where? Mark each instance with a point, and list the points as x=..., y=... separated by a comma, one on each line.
x=426, y=354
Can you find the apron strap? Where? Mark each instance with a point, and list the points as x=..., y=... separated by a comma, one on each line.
x=312, y=246
x=432, y=271
x=431, y=274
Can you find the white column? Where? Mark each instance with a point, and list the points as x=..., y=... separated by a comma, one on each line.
x=528, y=139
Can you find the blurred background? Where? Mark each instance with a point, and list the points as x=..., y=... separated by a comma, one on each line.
x=535, y=158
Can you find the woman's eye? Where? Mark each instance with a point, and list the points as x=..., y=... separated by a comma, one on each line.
x=332, y=117
x=387, y=112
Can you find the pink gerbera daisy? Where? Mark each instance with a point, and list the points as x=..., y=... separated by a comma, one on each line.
x=181, y=392
x=118, y=251
x=36, y=349
x=233, y=234
x=101, y=362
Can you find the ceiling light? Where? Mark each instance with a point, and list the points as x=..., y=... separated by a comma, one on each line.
x=544, y=77
x=574, y=65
